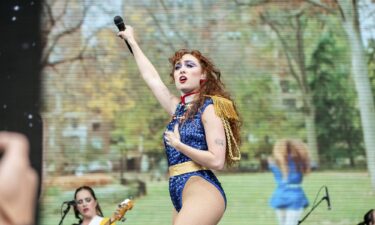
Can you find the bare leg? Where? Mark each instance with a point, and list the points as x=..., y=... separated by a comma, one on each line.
x=174, y=215
x=280, y=214
x=202, y=203
x=293, y=216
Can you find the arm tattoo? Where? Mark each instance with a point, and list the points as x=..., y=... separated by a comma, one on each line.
x=220, y=142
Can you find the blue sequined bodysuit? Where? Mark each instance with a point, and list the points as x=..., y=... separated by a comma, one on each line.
x=192, y=134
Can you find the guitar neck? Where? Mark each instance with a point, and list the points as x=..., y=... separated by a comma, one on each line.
x=120, y=212
x=108, y=221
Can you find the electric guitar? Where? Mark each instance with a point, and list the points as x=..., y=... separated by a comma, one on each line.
x=123, y=207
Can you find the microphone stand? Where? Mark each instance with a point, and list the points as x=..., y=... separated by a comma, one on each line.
x=65, y=212
x=312, y=209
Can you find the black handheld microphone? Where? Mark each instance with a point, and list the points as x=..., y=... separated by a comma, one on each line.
x=121, y=27
x=327, y=198
x=72, y=202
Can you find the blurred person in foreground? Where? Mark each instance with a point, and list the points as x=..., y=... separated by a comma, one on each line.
x=18, y=181
x=289, y=163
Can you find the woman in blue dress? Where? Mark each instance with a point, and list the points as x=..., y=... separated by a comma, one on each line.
x=203, y=133
x=289, y=164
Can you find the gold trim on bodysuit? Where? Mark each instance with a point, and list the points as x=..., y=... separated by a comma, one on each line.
x=185, y=167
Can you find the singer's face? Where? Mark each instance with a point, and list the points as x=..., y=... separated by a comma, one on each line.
x=86, y=204
x=187, y=74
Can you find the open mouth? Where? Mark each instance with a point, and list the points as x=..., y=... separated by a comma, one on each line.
x=182, y=79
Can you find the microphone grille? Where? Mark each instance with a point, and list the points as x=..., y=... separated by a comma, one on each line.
x=118, y=20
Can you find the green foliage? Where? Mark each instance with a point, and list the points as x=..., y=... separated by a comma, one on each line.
x=263, y=119
x=53, y=191
x=337, y=118
x=371, y=63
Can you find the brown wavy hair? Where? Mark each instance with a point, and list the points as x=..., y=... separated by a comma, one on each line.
x=295, y=149
x=211, y=86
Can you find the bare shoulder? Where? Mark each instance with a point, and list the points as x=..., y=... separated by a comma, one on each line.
x=209, y=114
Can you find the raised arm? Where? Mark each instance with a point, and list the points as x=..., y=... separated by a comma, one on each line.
x=149, y=74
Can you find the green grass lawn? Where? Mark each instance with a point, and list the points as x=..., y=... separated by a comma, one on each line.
x=248, y=195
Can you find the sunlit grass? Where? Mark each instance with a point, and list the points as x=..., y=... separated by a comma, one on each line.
x=248, y=196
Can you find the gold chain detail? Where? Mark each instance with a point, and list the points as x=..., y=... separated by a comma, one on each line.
x=230, y=139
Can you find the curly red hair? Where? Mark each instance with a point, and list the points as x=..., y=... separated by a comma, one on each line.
x=212, y=86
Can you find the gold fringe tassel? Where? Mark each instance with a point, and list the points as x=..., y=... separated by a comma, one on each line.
x=225, y=110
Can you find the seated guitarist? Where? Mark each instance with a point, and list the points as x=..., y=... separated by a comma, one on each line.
x=87, y=209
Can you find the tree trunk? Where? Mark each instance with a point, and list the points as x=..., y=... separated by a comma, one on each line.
x=309, y=106
x=350, y=23
x=311, y=135
x=351, y=155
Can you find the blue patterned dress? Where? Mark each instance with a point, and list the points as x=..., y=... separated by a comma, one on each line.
x=288, y=193
x=191, y=133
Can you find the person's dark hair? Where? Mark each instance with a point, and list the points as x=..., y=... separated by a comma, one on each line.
x=368, y=218
x=211, y=86
x=76, y=212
